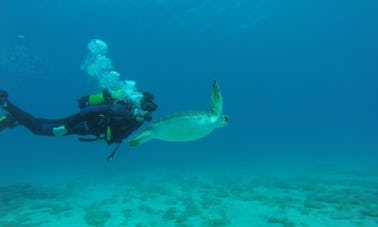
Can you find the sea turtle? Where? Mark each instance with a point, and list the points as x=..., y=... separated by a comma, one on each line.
x=186, y=126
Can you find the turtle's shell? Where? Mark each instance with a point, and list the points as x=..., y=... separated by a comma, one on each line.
x=182, y=126
x=186, y=126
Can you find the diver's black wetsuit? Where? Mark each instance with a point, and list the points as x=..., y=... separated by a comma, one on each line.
x=109, y=120
x=92, y=120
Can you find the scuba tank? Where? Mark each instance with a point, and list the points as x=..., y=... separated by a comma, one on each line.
x=114, y=110
x=103, y=97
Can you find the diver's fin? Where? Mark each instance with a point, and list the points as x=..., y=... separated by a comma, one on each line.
x=3, y=98
x=7, y=121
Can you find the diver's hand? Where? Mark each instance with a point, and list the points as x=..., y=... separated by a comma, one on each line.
x=148, y=116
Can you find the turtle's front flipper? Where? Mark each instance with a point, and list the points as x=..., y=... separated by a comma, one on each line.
x=216, y=100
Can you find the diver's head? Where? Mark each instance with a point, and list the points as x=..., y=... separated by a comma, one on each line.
x=148, y=105
x=147, y=102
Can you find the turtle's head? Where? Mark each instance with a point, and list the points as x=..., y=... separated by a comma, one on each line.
x=223, y=121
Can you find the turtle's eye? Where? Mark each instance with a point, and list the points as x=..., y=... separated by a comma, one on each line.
x=226, y=118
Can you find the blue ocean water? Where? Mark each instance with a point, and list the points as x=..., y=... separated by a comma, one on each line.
x=299, y=78
x=299, y=81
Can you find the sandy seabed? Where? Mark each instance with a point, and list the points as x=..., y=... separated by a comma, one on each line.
x=196, y=199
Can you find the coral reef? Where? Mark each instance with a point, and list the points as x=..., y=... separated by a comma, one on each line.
x=181, y=200
x=97, y=218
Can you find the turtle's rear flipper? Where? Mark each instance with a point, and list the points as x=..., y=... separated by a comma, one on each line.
x=142, y=138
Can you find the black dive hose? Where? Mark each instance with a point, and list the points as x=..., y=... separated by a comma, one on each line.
x=111, y=156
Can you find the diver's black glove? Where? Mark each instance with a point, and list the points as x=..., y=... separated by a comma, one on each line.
x=148, y=116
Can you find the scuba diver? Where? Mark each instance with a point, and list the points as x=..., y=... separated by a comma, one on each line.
x=100, y=115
